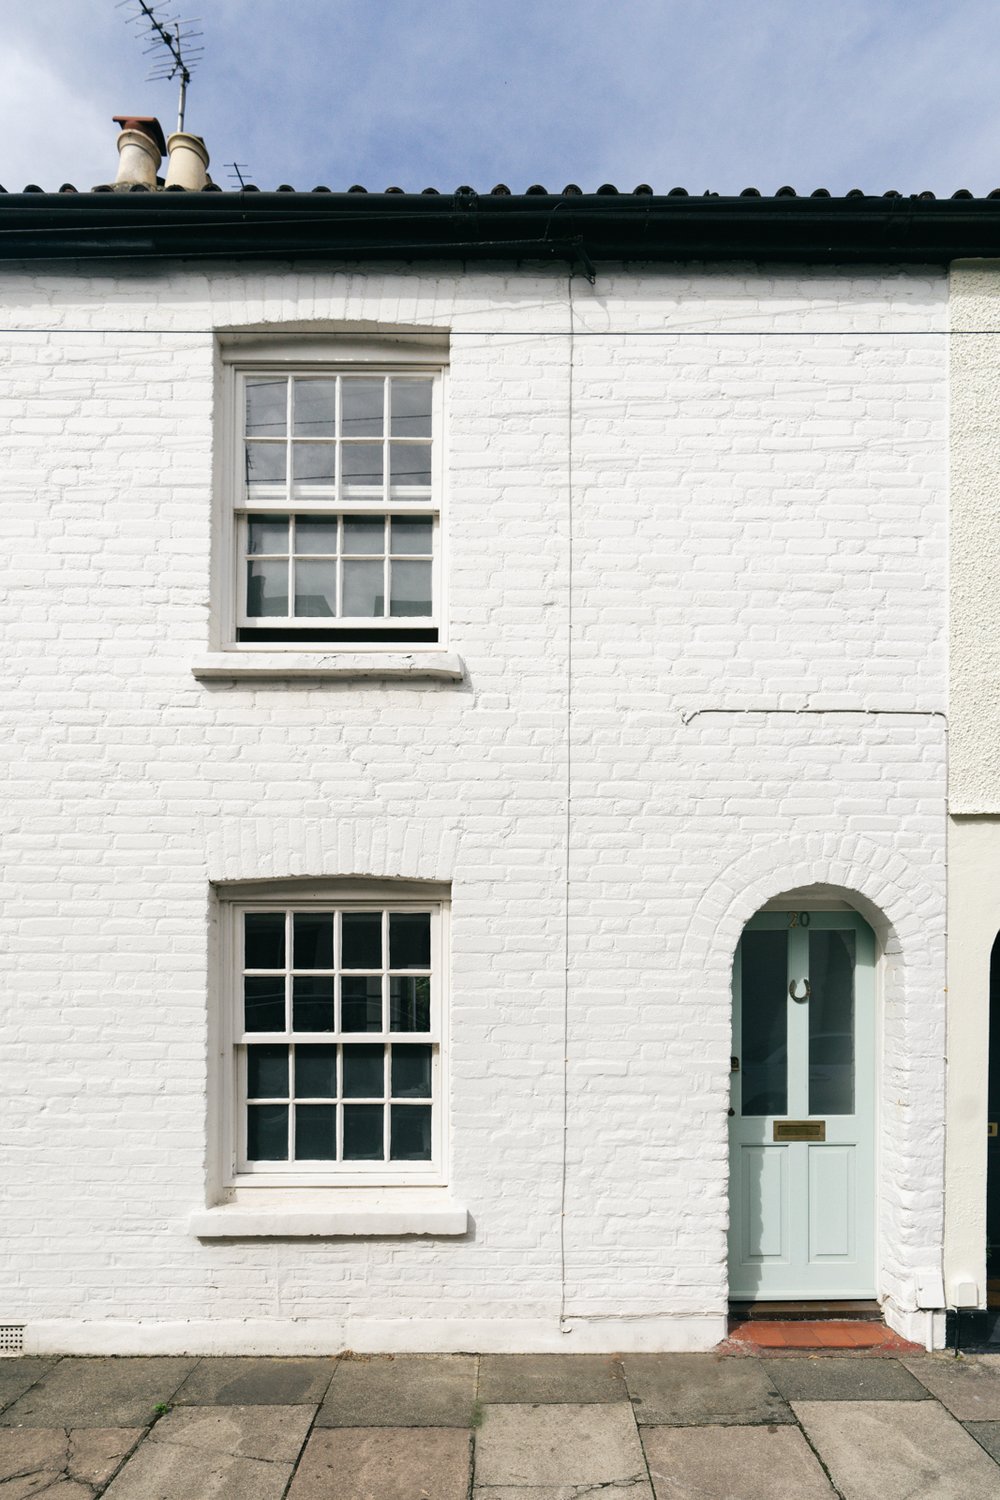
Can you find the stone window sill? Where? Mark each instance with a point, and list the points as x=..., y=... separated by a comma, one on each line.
x=386, y=666
x=238, y=1222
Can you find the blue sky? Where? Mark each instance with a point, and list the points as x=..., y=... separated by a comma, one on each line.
x=835, y=93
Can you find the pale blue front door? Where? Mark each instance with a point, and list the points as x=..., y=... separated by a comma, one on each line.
x=802, y=1121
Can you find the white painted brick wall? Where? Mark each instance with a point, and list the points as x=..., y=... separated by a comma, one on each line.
x=758, y=522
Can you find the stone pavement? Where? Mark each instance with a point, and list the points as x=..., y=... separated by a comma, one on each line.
x=502, y=1427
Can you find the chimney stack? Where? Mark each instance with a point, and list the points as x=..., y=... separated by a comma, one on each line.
x=140, y=151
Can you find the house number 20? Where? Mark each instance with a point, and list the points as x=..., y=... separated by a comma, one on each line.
x=798, y=919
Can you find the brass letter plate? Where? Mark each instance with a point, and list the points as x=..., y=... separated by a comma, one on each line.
x=799, y=1130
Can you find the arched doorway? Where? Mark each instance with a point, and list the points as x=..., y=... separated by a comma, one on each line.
x=802, y=1109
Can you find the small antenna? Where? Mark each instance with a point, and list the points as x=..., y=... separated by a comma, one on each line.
x=239, y=167
x=173, y=33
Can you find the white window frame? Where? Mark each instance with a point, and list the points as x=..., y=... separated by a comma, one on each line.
x=237, y=1171
x=246, y=356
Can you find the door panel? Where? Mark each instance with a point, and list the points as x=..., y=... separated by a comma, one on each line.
x=802, y=1211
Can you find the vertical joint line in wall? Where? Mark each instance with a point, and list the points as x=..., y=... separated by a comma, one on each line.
x=568, y=799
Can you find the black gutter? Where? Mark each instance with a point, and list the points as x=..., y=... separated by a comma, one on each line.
x=581, y=229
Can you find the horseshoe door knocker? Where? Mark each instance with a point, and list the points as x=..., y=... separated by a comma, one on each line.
x=794, y=987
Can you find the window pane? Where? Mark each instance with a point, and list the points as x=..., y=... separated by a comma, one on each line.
x=265, y=463
x=409, y=940
x=316, y=534
x=361, y=1004
x=315, y=588
x=410, y=1132
x=764, y=1056
x=264, y=1003
x=312, y=939
x=363, y=1132
x=361, y=407
x=267, y=398
x=267, y=1072
x=315, y=1132
x=831, y=1023
x=411, y=1072
x=315, y=1072
x=314, y=463
x=361, y=463
x=267, y=534
x=314, y=408
x=312, y=1004
x=364, y=534
x=410, y=588
x=412, y=534
x=267, y=1132
x=267, y=589
x=411, y=408
x=409, y=1004
x=364, y=1072
x=264, y=940
x=364, y=590
x=410, y=463
x=361, y=940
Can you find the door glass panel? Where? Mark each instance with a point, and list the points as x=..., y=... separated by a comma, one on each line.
x=831, y=1023
x=764, y=1055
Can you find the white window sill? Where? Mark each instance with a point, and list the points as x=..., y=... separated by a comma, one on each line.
x=384, y=665
x=441, y=1216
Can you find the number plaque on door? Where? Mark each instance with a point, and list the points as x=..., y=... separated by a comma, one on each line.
x=799, y=1130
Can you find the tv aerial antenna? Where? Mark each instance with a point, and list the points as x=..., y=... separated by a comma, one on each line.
x=170, y=38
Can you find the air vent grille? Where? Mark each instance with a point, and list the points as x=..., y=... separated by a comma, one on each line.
x=11, y=1338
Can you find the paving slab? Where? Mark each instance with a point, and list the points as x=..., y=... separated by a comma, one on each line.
x=733, y=1463
x=383, y=1463
x=831, y=1379
x=987, y=1435
x=898, y=1450
x=99, y=1393
x=562, y=1491
x=531, y=1378
x=692, y=1389
x=256, y=1382
x=549, y=1444
x=403, y=1390
x=17, y=1375
x=271, y=1432
x=54, y=1461
x=969, y=1387
x=166, y=1471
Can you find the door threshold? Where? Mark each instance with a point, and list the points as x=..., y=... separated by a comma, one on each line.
x=856, y=1309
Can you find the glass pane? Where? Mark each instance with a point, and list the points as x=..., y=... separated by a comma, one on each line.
x=410, y=588
x=267, y=397
x=410, y=1132
x=764, y=1055
x=315, y=1132
x=267, y=1072
x=265, y=463
x=411, y=408
x=363, y=1132
x=314, y=408
x=316, y=534
x=409, y=940
x=364, y=589
x=312, y=939
x=364, y=1072
x=264, y=1003
x=361, y=1004
x=361, y=407
x=312, y=1004
x=264, y=940
x=315, y=1072
x=315, y=588
x=409, y=1004
x=361, y=463
x=831, y=1023
x=410, y=463
x=364, y=534
x=412, y=535
x=267, y=1132
x=267, y=534
x=411, y=1072
x=267, y=589
x=314, y=463
x=361, y=940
